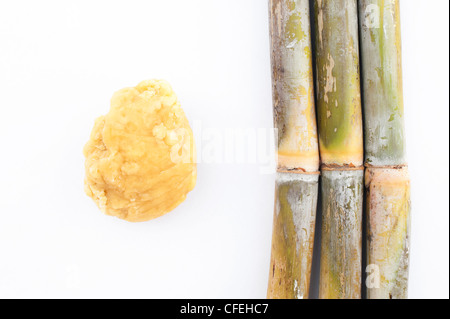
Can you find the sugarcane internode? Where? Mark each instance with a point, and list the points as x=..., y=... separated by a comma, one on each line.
x=389, y=225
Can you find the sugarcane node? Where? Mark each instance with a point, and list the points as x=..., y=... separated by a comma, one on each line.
x=401, y=166
x=332, y=167
x=297, y=171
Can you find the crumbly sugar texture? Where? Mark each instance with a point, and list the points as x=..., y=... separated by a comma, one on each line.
x=140, y=158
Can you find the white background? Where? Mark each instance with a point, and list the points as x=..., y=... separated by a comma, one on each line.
x=60, y=62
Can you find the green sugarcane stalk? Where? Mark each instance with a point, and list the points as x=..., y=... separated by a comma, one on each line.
x=297, y=149
x=341, y=147
x=338, y=83
x=387, y=178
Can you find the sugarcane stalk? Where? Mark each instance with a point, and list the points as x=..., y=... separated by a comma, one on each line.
x=341, y=147
x=387, y=179
x=297, y=179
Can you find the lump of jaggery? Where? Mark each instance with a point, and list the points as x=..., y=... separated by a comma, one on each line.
x=140, y=158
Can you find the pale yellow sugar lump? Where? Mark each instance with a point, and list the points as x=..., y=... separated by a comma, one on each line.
x=140, y=158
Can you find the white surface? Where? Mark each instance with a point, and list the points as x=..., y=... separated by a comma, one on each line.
x=60, y=62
